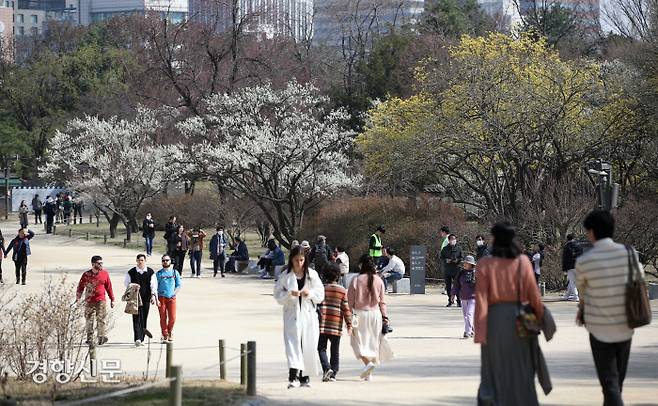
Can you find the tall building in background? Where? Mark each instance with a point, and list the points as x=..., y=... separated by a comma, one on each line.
x=504, y=11
x=101, y=10
x=6, y=30
x=288, y=18
x=336, y=21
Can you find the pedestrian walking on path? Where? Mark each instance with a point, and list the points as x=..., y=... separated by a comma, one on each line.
x=366, y=298
x=218, y=252
x=146, y=284
x=95, y=284
x=299, y=289
x=148, y=232
x=570, y=252
x=196, y=237
x=181, y=243
x=601, y=276
x=505, y=280
x=50, y=210
x=464, y=286
x=451, y=257
x=37, y=206
x=333, y=310
x=23, y=213
x=20, y=246
x=169, y=283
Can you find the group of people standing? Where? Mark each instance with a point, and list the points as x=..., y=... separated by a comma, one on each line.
x=182, y=242
x=61, y=209
x=314, y=312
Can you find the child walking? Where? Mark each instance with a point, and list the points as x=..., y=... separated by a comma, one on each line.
x=333, y=310
x=465, y=288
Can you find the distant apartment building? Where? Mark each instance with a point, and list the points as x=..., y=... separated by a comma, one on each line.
x=334, y=21
x=288, y=18
x=6, y=29
x=511, y=12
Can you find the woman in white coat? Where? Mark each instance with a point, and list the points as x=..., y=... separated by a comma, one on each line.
x=299, y=289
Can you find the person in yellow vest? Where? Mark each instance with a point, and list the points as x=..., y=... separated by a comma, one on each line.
x=375, y=245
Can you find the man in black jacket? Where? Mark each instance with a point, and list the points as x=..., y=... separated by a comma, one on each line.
x=50, y=209
x=148, y=290
x=570, y=252
x=148, y=232
x=451, y=257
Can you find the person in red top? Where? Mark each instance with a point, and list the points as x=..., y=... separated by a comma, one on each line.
x=96, y=283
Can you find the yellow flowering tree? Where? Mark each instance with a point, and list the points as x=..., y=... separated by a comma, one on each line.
x=494, y=125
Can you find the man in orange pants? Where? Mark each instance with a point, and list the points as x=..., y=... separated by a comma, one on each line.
x=169, y=283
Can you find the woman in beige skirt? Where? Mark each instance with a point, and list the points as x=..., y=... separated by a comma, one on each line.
x=366, y=298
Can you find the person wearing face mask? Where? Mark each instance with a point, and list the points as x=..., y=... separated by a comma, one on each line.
x=217, y=252
x=451, y=257
x=482, y=248
x=148, y=232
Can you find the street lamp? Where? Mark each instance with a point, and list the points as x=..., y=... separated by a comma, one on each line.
x=607, y=192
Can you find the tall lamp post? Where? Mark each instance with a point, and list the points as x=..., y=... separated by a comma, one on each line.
x=607, y=192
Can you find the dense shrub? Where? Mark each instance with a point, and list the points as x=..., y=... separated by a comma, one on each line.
x=350, y=222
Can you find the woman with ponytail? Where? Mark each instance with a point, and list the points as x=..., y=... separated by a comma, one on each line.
x=366, y=298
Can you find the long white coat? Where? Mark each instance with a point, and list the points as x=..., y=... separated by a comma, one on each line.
x=301, y=329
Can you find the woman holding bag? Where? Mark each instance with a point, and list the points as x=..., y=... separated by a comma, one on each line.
x=366, y=298
x=505, y=281
x=299, y=289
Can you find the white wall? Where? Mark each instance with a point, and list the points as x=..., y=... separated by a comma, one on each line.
x=27, y=194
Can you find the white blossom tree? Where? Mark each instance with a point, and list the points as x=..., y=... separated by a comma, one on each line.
x=280, y=148
x=118, y=163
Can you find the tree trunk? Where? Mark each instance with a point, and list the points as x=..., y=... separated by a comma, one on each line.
x=114, y=222
x=128, y=230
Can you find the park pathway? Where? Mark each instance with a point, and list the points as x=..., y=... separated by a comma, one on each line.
x=433, y=365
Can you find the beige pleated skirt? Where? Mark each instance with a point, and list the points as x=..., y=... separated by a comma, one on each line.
x=367, y=339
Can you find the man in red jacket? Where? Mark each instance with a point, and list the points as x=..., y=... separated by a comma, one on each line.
x=95, y=283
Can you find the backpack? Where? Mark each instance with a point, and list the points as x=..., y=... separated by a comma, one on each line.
x=321, y=258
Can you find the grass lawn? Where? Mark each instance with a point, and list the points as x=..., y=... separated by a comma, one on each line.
x=101, y=233
x=195, y=392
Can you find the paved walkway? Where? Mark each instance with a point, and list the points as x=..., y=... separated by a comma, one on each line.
x=433, y=365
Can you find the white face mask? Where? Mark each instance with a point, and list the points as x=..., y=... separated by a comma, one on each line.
x=148, y=217
x=452, y=242
x=220, y=232
x=480, y=243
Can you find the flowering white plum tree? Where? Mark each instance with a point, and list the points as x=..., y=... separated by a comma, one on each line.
x=118, y=163
x=282, y=149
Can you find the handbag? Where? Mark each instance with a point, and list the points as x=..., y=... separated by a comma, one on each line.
x=355, y=320
x=638, y=308
x=527, y=324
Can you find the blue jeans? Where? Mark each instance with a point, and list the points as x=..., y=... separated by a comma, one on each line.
x=195, y=259
x=149, y=245
x=392, y=277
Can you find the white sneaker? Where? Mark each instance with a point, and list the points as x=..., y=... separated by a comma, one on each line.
x=138, y=343
x=367, y=370
x=293, y=384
